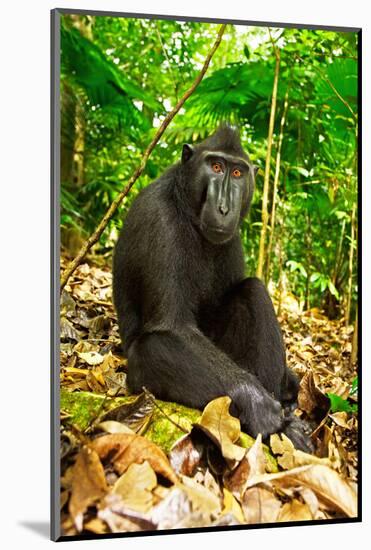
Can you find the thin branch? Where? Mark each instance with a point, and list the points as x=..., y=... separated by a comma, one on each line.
x=94, y=237
x=152, y=398
x=274, y=41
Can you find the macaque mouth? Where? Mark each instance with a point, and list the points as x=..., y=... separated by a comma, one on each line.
x=213, y=229
x=217, y=229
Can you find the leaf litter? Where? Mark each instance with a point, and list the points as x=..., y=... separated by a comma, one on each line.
x=116, y=479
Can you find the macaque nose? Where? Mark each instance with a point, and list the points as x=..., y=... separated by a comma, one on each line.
x=223, y=209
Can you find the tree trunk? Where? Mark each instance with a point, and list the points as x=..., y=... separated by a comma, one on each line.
x=259, y=270
x=354, y=354
x=308, y=263
x=68, y=111
x=79, y=146
x=332, y=303
x=338, y=253
x=351, y=258
x=275, y=184
x=280, y=285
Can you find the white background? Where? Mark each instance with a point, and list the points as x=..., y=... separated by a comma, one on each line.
x=25, y=267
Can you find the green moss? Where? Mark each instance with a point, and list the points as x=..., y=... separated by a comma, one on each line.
x=85, y=407
x=163, y=429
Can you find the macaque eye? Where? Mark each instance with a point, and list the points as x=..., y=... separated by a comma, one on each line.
x=237, y=173
x=217, y=167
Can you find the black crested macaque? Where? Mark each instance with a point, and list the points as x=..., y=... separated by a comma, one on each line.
x=192, y=326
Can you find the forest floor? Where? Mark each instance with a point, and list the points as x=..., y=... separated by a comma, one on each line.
x=131, y=464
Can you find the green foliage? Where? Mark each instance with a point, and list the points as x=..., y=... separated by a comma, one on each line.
x=354, y=388
x=323, y=282
x=121, y=75
x=338, y=404
x=103, y=83
x=237, y=93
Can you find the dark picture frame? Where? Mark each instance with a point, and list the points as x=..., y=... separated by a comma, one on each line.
x=56, y=15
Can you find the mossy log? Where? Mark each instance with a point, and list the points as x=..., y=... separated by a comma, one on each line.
x=169, y=421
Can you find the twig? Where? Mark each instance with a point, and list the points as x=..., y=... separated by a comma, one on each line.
x=152, y=398
x=97, y=415
x=94, y=237
x=274, y=42
x=94, y=418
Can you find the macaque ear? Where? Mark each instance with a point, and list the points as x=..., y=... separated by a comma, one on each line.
x=254, y=169
x=187, y=152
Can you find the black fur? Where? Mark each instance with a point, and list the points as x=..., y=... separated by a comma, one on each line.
x=193, y=327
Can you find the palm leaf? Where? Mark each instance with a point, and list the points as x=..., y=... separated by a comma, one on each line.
x=103, y=82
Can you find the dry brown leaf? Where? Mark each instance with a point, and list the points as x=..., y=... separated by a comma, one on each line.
x=251, y=466
x=88, y=484
x=119, y=518
x=68, y=527
x=185, y=456
x=136, y=414
x=268, y=478
x=310, y=396
x=322, y=425
x=160, y=492
x=80, y=385
x=98, y=375
x=115, y=383
x=67, y=330
x=202, y=499
x=135, y=486
x=63, y=498
x=125, y=449
x=176, y=511
x=236, y=480
x=282, y=446
x=315, y=313
x=231, y=506
x=291, y=457
x=256, y=458
x=260, y=506
x=172, y=509
x=340, y=418
x=210, y=483
x=110, y=361
x=310, y=499
x=84, y=346
x=113, y=427
x=96, y=526
x=295, y=511
x=91, y=357
x=93, y=383
x=339, y=387
x=223, y=428
x=75, y=371
x=327, y=484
